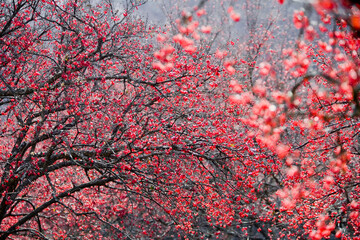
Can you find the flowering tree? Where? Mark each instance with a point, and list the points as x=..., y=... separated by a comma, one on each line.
x=112, y=128
x=103, y=136
x=311, y=122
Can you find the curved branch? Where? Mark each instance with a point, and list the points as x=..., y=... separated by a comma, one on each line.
x=13, y=228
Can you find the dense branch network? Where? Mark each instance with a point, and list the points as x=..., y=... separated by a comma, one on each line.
x=115, y=128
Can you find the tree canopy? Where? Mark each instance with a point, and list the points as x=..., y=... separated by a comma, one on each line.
x=235, y=120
